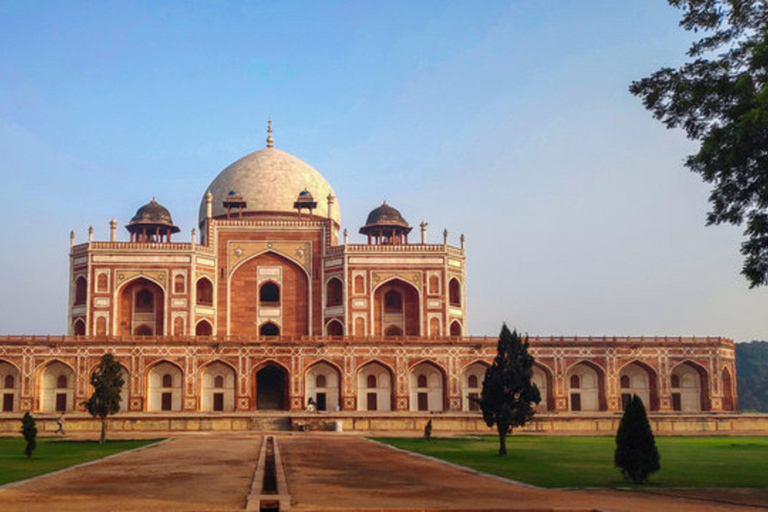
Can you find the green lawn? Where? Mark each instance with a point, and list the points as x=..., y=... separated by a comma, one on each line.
x=54, y=454
x=588, y=461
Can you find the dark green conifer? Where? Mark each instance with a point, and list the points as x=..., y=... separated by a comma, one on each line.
x=107, y=382
x=509, y=396
x=29, y=431
x=636, y=454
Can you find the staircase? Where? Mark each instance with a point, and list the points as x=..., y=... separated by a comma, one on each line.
x=270, y=423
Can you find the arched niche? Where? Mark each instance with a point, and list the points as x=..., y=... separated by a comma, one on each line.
x=217, y=387
x=9, y=387
x=727, y=382
x=542, y=377
x=78, y=327
x=57, y=387
x=81, y=290
x=203, y=328
x=322, y=383
x=472, y=385
x=427, y=382
x=269, y=329
x=333, y=292
x=374, y=387
x=204, y=291
x=164, y=387
x=586, y=388
x=334, y=328
x=141, y=308
x=689, y=383
x=396, y=304
x=454, y=292
x=456, y=328
x=639, y=379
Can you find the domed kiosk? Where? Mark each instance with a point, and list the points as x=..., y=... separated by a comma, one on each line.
x=152, y=223
x=386, y=226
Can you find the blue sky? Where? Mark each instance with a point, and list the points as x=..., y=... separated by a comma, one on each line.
x=507, y=121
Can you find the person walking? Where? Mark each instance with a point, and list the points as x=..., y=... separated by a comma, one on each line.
x=60, y=423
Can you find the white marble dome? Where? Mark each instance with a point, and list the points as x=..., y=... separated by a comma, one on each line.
x=270, y=180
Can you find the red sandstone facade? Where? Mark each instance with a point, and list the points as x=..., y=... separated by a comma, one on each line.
x=268, y=309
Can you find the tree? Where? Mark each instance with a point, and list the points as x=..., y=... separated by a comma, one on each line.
x=636, y=454
x=721, y=100
x=107, y=382
x=29, y=431
x=508, y=393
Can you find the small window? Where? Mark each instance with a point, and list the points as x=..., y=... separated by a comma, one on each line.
x=320, y=381
x=625, y=381
x=167, y=380
x=393, y=302
x=204, y=292
x=472, y=381
x=178, y=284
x=269, y=329
x=371, y=381
x=218, y=381
x=269, y=293
x=675, y=380
x=81, y=291
x=144, y=301
x=61, y=382
x=575, y=382
x=421, y=381
x=454, y=292
x=9, y=382
x=333, y=293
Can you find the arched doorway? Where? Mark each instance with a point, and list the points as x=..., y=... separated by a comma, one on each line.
x=374, y=388
x=272, y=388
x=728, y=404
x=322, y=385
x=689, y=388
x=542, y=377
x=585, y=388
x=141, y=309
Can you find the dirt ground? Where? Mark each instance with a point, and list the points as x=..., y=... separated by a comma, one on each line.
x=324, y=472
x=186, y=473
x=354, y=473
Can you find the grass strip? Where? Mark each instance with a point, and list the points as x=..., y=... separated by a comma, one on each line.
x=587, y=461
x=55, y=454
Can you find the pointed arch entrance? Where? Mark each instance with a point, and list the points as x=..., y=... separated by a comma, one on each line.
x=271, y=388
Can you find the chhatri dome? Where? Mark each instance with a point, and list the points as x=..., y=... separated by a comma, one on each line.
x=269, y=181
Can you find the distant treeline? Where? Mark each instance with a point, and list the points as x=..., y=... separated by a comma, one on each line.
x=752, y=375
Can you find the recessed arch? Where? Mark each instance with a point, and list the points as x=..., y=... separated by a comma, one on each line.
x=204, y=328
x=164, y=386
x=334, y=294
x=691, y=395
x=218, y=385
x=322, y=383
x=56, y=384
x=81, y=290
x=78, y=327
x=587, y=391
x=456, y=328
x=427, y=387
x=9, y=386
x=271, y=380
x=374, y=386
x=204, y=291
x=269, y=329
x=334, y=328
x=454, y=292
x=638, y=378
x=472, y=376
x=406, y=316
x=543, y=377
x=140, y=302
x=269, y=293
x=727, y=384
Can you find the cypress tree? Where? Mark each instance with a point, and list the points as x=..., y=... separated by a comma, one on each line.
x=107, y=382
x=29, y=431
x=636, y=454
x=509, y=395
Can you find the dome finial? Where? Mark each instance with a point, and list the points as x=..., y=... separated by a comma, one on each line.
x=270, y=140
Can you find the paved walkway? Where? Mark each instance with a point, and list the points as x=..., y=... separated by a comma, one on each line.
x=187, y=473
x=324, y=472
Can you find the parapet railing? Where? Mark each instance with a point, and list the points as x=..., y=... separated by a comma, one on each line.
x=348, y=248
x=392, y=340
x=155, y=246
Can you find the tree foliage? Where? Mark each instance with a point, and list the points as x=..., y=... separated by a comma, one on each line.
x=720, y=98
x=29, y=431
x=752, y=375
x=636, y=454
x=107, y=382
x=509, y=396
